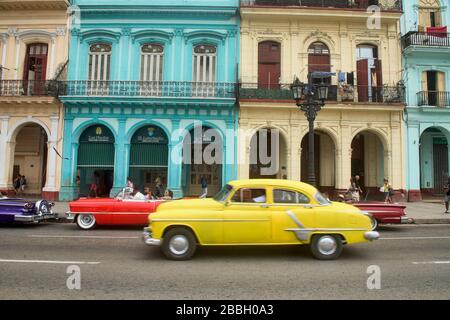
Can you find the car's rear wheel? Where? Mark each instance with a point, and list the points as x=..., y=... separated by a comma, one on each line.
x=179, y=244
x=326, y=246
x=86, y=221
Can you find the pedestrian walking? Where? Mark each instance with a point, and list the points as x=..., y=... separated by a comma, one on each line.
x=16, y=183
x=204, y=184
x=358, y=185
x=353, y=191
x=447, y=195
x=158, y=188
x=387, y=191
x=23, y=183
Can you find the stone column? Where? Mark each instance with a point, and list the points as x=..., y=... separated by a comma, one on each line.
x=50, y=191
x=413, y=162
x=120, y=171
x=175, y=165
x=5, y=184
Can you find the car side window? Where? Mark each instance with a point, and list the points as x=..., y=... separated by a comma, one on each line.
x=249, y=195
x=288, y=196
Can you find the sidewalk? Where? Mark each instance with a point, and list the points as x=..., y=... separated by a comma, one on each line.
x=421, y=212
x=427, y=212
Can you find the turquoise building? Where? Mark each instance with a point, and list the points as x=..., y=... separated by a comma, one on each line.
x=151, y=88
x=426, y=53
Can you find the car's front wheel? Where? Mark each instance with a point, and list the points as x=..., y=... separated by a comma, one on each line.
x=374, y=223
x=326, y=246
x=86, y=221
x=179, y=244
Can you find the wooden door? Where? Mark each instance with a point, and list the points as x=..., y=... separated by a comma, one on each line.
x=362, y=67
x=269, y=64
x=35, y=68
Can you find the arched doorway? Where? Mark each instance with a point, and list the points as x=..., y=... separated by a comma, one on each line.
x=149, y=154
x=30, y=159
x=324, y=161
x=369, y=162
x=96, y=161
x=268, y=155
x=269, y=64
x=202, y=157
x=434, y=162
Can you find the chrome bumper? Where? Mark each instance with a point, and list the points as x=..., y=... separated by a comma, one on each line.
x=371, y=235
x=406, y=220
x=34, y=218
x=70, y=216
x=148, y=240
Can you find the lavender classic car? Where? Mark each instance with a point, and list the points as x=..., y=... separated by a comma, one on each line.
x=20, y=210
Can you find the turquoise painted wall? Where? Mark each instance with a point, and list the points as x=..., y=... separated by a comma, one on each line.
x=417, y=59
x=179, y=25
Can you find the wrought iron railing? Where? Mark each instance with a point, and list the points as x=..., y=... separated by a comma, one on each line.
x=172, y=89
x=19, y=88
x=434, y=98
x=338, y=93
x=385, y=5
x=253, y=91
x=428, y=39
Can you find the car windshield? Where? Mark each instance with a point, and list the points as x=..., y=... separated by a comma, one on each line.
x=321, y=199
x=223, y=194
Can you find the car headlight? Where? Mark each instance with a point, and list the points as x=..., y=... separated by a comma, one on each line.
x=28, y=206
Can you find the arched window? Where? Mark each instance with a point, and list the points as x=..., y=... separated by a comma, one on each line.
x=269, y=64
x=99, y=61
x=152, y=62
x=319, y=60
x=429, y=14
x=205, y=63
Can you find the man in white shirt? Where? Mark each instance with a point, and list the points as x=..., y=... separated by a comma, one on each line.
x=260, y=199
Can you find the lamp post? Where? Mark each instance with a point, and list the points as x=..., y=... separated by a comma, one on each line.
x=306, y=99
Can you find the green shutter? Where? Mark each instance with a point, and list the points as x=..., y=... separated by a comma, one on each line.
x=149, y=155
x=96, y=154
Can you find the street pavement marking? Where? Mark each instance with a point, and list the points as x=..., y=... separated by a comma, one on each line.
x=432, y=262
x=47, y=261
x=415, y=238
x=79, y=237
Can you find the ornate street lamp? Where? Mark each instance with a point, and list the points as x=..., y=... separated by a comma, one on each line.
x=305, y=99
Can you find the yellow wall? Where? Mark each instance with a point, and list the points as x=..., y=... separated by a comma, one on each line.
x=341, y=31
x=43, y=23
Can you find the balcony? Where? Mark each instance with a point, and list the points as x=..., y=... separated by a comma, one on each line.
x=338, y=94
x=147, y=89
x=426, y=39
x=385, y=5
x=434, y=98
x=30, y=88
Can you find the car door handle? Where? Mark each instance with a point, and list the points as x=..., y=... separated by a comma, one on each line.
x=265, y=206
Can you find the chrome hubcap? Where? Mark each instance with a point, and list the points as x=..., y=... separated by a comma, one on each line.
x=179, y=245
x=87, y=220
x=327, y=245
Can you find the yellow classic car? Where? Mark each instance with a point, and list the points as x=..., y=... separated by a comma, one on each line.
x=258, y=212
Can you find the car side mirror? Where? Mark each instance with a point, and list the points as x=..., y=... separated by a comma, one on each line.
x=227, y=203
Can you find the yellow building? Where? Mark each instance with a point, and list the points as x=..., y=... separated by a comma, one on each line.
x=33, y=51
x=360, y=129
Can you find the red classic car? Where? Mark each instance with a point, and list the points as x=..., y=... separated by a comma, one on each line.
x=88, y=213
x=385, y=213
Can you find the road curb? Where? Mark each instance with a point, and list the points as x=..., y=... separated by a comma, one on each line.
x=432, y=221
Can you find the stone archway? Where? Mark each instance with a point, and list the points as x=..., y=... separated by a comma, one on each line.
x=325, y=161
x=29, y=150
x=268, y=155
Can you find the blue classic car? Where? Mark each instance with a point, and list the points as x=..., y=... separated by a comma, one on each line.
x=20, y=210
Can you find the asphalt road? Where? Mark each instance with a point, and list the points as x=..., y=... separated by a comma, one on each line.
x=414, y=262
